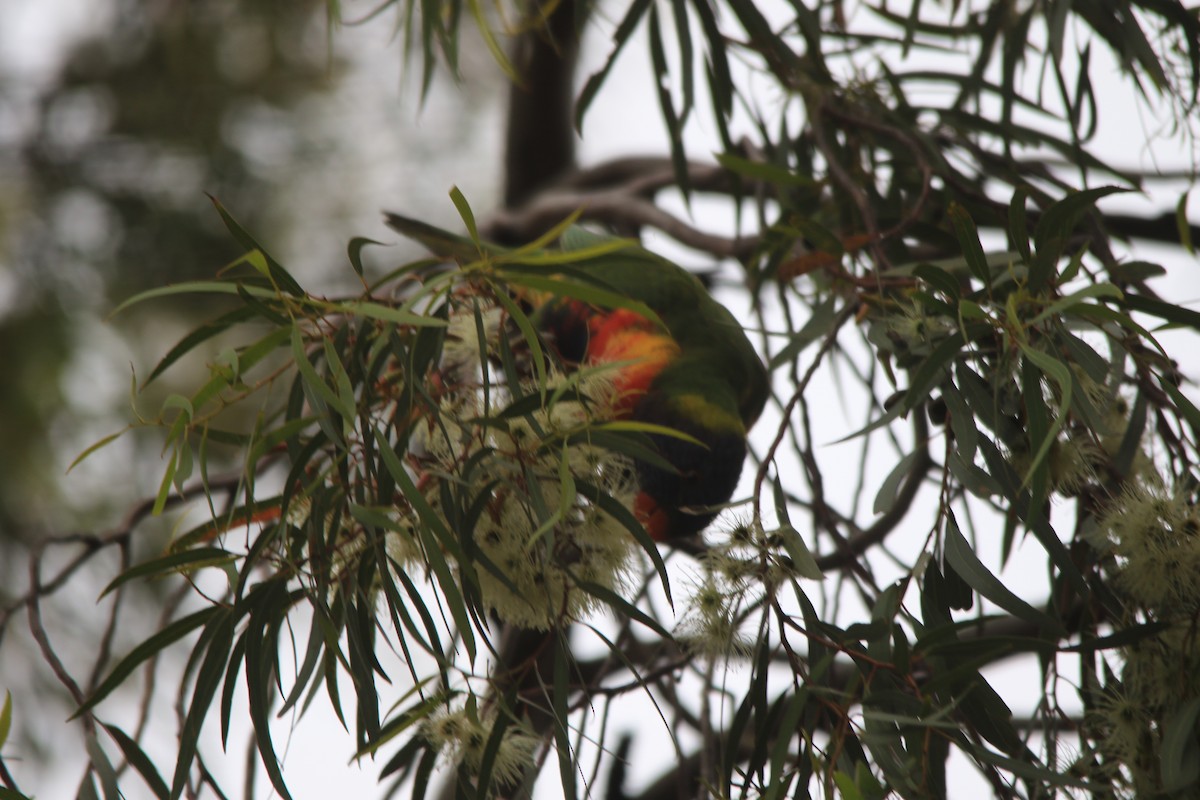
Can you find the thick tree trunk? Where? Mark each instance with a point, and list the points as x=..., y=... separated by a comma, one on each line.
x=540, y=145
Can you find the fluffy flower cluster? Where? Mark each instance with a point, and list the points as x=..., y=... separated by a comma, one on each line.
x=710, y=624
x=736, y=571
x=463, y=735
x=509, y=463
x=1156, y=538
x=1122, y=727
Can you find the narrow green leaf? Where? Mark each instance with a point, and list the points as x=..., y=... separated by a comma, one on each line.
x=250, y=356
x=363, y=308
x=968, y=240
x=571, y=238
x=779, y=55
x=173, y=562
x=763, y=171
x=319, y=386
x=278, y=275
x=155, y=644
x=1039, y=437
x=962, y=423
x=258, y=678
x=96, y=446
x=1170, y=312
x=622, y=606
x=687, y=66
x=440, y=242
x=1064, y=304
x=164, y=488
x=312, y=655
x=194, y=287
x=183, y=466
x=354, y=252
x=960, y=555
x=202, y=334
x=234, y=518
x=846, y=786
x=1100, y=314
x=569, y=253
x=621, y=36
x=138, y=759
x=342, y=387
x=939, y=279
x=87, y=788
x=591, y=292
x=1018, y=230
x=803, y=562
x=666, y=105
x=1183, y=405
x=781, y=752
x=460, y=200
x=496, y=738
x=422, y=778
x=816, y=327
x=891, y=414
x=1122, y=638
x=1073, y=266
x=1082, y=354
x=1181, y=223
x=1028, y=767
x=1131, y=440
x=415, y=714
x=1055, y=227
x=931, y=371
x=531, y=337
x=1061, y=375
x=483, y=25
x=102, y=768
x=609, y=505
x=559, y=707
x=5, y=718
x=435, y=538
x=649, y=428
x=891, y=484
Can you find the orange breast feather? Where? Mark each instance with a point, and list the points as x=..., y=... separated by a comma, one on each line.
x=624, y=335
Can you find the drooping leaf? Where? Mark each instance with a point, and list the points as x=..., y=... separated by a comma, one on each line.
x=960, y=555
x=968, y=240
x=1054, y=228
x=172, y=563
x=140, y=761
x=147, y=649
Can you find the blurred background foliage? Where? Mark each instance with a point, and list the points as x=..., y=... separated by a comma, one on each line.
x=117, y=117
x=109, y=143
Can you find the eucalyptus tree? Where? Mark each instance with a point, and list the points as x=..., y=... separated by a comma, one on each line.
x=426, y=518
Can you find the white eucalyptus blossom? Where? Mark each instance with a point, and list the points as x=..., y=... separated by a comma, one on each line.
x=536, y=537
x=462, y=735
x=1156, y=538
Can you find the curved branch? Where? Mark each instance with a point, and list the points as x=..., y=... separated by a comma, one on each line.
x=623, y=209
x=620, y=194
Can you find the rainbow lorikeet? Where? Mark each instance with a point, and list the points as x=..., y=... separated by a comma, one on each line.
x=687, y=365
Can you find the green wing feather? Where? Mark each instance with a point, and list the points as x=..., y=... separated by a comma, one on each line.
x=712, y=341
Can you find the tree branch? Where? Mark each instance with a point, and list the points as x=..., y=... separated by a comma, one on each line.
x=540, y=138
